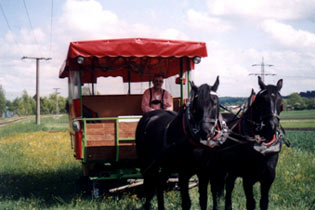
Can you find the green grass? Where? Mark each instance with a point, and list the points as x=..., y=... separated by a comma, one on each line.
x=298, y=114
x=298, y=119
x=303, y=123
x=38, y=171
x=47, y=123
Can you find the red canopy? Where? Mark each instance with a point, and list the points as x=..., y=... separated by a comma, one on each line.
x=134, y=59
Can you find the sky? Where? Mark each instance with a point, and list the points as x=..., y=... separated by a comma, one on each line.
x=238, y=34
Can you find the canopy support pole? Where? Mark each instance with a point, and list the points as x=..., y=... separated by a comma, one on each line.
x=188, y=77
x=93, y=75
x=181, y=81
x=129, y=86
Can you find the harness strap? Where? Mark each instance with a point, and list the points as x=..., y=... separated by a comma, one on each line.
x=162, y=99
x=150, y=96
x=161, y=102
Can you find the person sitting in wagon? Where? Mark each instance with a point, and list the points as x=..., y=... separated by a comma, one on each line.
x=156, y=97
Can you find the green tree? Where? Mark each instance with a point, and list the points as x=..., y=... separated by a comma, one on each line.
x=13, y=107
x=2, y=101
x=296, y=101
x=25, y=105
x=309, y=103
x=61, y=104
x=44, y=105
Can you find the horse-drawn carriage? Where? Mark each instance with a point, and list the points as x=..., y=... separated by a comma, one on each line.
x=102, y=126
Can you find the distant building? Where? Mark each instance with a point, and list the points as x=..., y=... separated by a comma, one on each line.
x=7, y=113
x=289, y=107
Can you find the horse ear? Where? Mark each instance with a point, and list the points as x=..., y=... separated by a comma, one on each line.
x=215, y=85
x=261, y=83
x=194, y=89
x=251, y=98
x=193, y=86
x=279, y=84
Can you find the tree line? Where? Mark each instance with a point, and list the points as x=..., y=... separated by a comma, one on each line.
x=26, y=104
x=294, y=101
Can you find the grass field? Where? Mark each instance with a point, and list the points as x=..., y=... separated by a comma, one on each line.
x=298, y=114
x=27, y=125
x=301, y=119
x=38, y=171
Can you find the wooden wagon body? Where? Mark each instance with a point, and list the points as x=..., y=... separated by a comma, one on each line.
x=102, y=127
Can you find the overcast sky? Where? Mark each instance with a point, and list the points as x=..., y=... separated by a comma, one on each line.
x=237, y=33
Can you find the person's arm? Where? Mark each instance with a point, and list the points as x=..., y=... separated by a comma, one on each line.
x=145, y=103
x=168, y=101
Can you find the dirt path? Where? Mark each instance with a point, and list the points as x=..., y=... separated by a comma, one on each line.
x=4, y=122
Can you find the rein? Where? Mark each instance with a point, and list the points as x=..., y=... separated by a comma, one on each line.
x=280, y=131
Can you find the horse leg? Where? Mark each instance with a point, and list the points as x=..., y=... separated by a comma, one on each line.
x=248, y=189
x=162, y=178
x=215, y=190
x=184, y=189
x=160, y=197
x=230, y=181
x=203, y=191
x=149, y=189
x=264, y=200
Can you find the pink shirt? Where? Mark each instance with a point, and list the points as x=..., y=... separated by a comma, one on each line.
x=156, y=95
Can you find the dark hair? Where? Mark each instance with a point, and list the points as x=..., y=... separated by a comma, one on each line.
x=158, y=75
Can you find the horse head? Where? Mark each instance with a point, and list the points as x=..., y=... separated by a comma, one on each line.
x=202, y=111
x=265, y=111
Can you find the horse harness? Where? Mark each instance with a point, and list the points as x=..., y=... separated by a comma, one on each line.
x=191, y=129
x=259, y=144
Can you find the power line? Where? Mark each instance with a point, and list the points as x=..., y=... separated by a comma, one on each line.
x=32, y=29
x=262, y=73
x=51, y=24
x=9, y=27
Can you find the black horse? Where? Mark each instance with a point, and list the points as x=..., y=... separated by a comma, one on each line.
x=250, y=152
x=166, y=140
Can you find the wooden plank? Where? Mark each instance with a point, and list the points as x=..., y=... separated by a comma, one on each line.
x=98, y=143
x=101, y=141
x=100, y=134
x=114, y=105
x=108, y=153
x=94, y=143
x=127, y=129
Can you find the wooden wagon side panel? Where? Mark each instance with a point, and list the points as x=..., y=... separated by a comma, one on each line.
x=101, y=141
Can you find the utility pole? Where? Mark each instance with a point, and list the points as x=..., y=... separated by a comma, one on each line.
x=57, y=108
x=262, y=73
x=37, y=85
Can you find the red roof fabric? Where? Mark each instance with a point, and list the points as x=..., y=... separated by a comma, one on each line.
x=134, y=59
